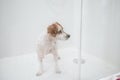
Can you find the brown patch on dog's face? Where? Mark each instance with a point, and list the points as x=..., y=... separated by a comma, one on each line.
x=56, y=30
x=53, y=30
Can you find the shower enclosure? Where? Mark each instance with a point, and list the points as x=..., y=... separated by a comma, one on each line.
x=100, y=39
x=91, y=53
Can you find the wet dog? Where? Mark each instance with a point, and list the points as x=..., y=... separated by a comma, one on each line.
x=48, y=44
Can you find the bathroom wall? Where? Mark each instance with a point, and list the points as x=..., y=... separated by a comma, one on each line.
x=101, y=29
x=22, y=21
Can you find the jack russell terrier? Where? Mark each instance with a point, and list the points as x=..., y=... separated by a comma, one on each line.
x=48, y=44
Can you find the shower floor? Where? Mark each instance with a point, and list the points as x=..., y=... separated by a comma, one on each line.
x=24, y=67
x=95, y=68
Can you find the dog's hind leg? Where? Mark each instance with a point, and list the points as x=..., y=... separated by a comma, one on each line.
x=40, y=58
x=40, y=72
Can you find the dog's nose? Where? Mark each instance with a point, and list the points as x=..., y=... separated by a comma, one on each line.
x=68, y=36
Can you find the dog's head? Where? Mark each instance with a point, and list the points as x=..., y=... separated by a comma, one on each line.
x=56, y=30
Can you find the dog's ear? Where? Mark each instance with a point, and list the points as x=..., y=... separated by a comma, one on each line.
x=53, y=30
x=57, y=23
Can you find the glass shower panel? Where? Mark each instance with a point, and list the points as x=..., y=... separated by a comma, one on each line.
x=100, y=39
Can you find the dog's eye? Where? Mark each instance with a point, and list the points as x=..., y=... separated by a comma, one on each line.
x=60, y=31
